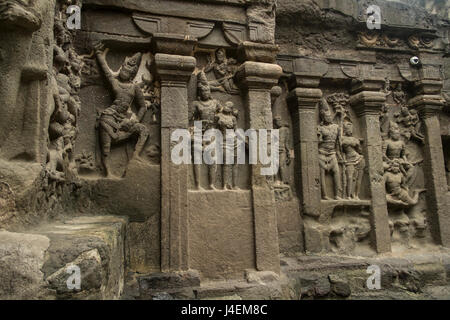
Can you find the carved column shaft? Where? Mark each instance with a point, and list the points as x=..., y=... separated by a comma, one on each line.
x=303, y=103
x=174, y=72
x=257, y=79
x=367, y=101
x=428, y=103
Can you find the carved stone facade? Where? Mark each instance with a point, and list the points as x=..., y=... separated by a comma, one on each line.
x=363, y=144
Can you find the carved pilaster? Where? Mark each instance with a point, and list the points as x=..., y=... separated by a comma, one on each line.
x=367, y=101
x=174, y=72
x=428, y=103
x=256, y=79
x=303, y=104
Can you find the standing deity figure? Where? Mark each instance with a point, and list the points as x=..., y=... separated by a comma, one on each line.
x=328, y=133
x=117, y=122
x=226, y=119
x=282, y=177
x=353, y=160
x=223, y=69
x=205, y=109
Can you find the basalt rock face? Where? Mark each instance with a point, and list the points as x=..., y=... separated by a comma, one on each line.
x=93, y=173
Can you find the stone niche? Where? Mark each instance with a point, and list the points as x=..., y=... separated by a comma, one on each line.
x=165, y=66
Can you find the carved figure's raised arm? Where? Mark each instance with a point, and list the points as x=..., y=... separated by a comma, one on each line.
x=100, y=52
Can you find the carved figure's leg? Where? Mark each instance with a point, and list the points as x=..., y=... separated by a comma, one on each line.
x=323, y=184
x=350, y=176
x=197, y=170
x=142, y=131
x=336, y=178
x=212, y=169
x=105, y=141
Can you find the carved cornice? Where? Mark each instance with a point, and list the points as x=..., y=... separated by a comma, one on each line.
x=409, y=41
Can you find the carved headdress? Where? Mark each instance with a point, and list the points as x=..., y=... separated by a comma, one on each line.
x=324, y=108
x=132, y=63
x=202, y=82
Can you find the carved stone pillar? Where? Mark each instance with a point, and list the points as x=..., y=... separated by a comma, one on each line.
x=428, y=103
x=302, y=100
x=256, y=79
x=174, y=72
x=367, y=100
x=303, y=103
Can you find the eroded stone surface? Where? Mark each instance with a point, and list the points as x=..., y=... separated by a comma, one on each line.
x=86, y=129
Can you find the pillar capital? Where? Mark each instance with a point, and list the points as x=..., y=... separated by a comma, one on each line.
x=428, y=100
x=258, y=75
x=257, y=52
x=173, y=44
x=367, y=84
x=367, y=102
x=307, y=73
x=176, y=68
x=304, y=98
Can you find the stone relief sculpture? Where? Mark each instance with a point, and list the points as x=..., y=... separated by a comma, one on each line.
x=394, y=153
x=117, y=122
x=410, y=124
x=223, y=69
x=261, y=19
x=63, y=129
x=328, y=133
x=353, y=161
x=281, y=185
x=205, y=109
x=282, y=176
x=376, y=39
x=19, y=13
x=226, y=118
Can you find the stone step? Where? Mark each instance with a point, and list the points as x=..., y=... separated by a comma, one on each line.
x=40, y=263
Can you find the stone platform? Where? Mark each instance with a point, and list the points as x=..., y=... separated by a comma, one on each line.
x=34, y=265
x=418, y=276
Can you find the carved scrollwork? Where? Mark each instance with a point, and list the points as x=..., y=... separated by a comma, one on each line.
x=386, y=40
